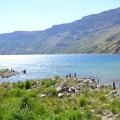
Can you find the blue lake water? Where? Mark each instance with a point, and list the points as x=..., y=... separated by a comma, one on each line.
x=103, y=67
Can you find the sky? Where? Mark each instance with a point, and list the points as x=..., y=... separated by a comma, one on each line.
x=32, y=15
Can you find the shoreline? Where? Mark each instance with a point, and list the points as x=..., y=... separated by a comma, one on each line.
x=6, y=73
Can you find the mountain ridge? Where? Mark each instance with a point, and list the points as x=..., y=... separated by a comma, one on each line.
x=96, y=33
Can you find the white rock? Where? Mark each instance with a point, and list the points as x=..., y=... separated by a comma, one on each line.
x=68, y=94
x=80, y=86
x=73, y=89
x=59, y=89
x=60, y=95
x=106, y=112
x=42, y=95
x=115, y=93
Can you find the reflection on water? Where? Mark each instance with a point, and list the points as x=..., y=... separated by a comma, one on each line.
x=104, y=67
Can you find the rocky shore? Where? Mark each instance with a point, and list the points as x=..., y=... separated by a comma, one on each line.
x=6, y=73
x=70, y=98
x=72, y=87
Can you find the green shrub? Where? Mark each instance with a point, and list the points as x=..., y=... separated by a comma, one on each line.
x=32, y=93
x=4, y=92
x=20, y=115
x=74, y=115
x=25, y=103
x=39, y=110
x=16, y=92
x=88, y=115
x=102, y=98
x=115, y=106
x=86, y=93
x=1, y=117
x=51, y=92
x=48, y=83
x=58, y=109
x=113, y=109
x=27, y=84
x=28, y=115
x=82, y=101
x=20, y=85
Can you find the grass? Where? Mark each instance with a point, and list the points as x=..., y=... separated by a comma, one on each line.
x=22, y=101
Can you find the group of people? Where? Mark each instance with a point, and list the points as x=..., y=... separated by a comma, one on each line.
x=71, y=75
x=12, y=70
x=24, y=71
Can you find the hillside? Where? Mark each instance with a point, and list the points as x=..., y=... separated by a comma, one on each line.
x=98, y=33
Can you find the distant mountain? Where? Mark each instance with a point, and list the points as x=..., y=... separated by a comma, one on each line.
x=98, y=33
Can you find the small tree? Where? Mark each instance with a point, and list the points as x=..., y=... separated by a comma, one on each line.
x=27, y=84
x=25, y=103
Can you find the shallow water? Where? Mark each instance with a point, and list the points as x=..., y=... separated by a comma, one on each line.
x=103, y=67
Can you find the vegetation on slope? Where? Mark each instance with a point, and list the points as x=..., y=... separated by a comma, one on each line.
x=25, y=101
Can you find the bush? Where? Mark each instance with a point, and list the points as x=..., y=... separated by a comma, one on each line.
x=20, y=85
x=16, y=92
x=102, y=98
x=82, y=101
x=1, y=118
x=86, y=93
x=58, y=109
x=47, y=83
x=25, y=103
x=74, y=115
x=20, y=115
x=32, y=93
x=27, y=84
x=40, y=110
x=28, y=115
x=115, y=106
x=52, y=92
x=87, y=115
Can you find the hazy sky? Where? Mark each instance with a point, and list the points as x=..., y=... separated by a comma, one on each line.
x=41, y=14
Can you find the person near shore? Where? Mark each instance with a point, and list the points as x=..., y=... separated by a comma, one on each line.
x=75, y=75
x=24, y=71
x=114, y=85
x=70, y=75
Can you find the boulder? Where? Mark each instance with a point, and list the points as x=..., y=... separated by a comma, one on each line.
x=115, y=93
x=110, y=117
x=68, y=94
x=60, y=95
x=59, y=89
x=65, y=87
x=93, y=85
x=106, y=112
x=72, y=89
x=100, y=86
x=42, y=95
x=80, y=86
x=77, y=92
x=64, y=84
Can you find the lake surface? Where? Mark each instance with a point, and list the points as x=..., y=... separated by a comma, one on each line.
x=103, y=67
